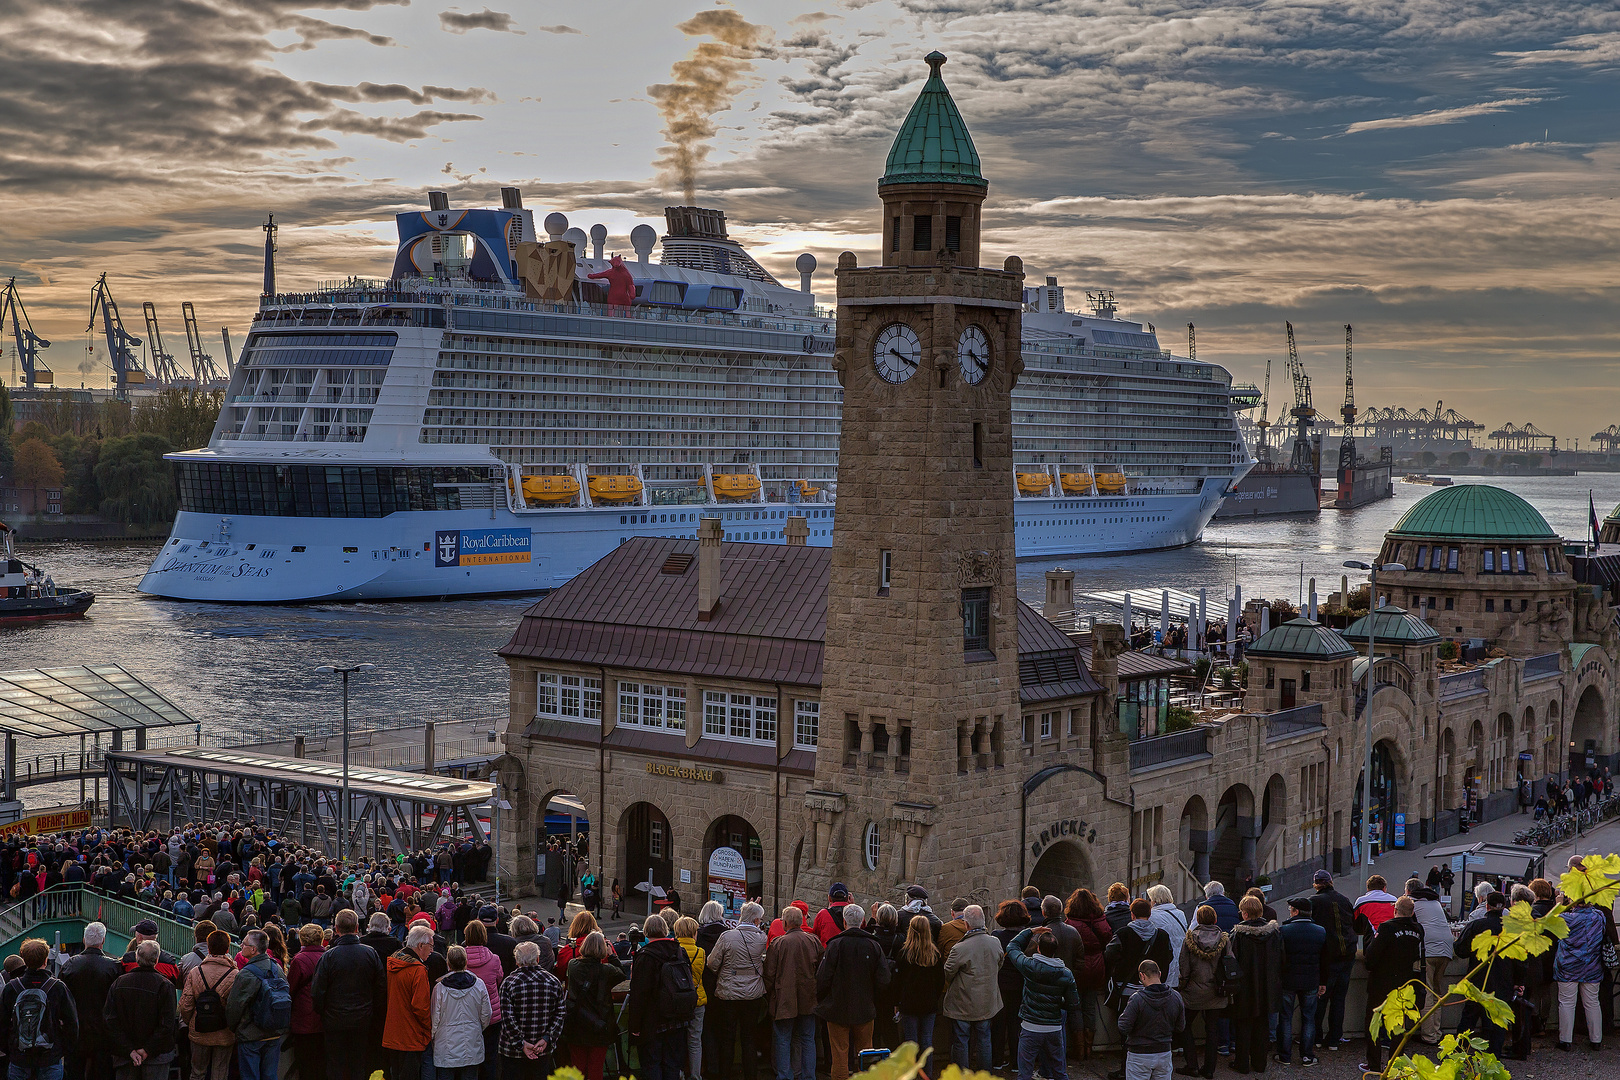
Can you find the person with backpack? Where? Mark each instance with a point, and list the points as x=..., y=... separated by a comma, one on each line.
x=408, y=1028
x=143, y=1022
x=38, y=1018
x=662, y=1001
x=89, y=976
x=259, y=1009
x=202, y=1008
x=533, y=1008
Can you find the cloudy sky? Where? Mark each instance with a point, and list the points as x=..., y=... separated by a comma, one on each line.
x=1440, y=173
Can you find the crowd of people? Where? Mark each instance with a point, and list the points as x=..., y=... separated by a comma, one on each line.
x=1575, y=793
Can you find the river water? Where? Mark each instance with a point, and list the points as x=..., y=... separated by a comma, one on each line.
x=248, y=671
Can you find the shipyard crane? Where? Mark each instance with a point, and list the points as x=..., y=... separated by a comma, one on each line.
x=1192, y=343
x=163, y=365
x=1608, y=438
x=1347, y=442
x=22, y=332
x=1262, y=452
x=208, y=376
x=1302, y=460
x=119, y=340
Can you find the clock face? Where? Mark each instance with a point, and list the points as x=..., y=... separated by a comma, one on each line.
x=896, y=352
x=973, y=354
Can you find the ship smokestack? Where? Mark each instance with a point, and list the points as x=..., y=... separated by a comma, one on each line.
x=511, y=198
x=438, y=200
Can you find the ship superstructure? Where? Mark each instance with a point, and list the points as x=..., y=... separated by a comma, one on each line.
x=495, y=417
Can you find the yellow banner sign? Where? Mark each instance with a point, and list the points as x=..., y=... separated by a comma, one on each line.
x=47, y=823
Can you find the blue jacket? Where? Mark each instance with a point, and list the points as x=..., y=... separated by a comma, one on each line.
x=1049, y=987
x=1303, y=967
x=1226, y=911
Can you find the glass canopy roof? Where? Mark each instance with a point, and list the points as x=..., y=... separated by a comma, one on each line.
x=45, y=703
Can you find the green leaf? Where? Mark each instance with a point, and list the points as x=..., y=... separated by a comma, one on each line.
x=1484, y=944
x=1497, y=1011
x=1398, y=1006
x=1598, y=882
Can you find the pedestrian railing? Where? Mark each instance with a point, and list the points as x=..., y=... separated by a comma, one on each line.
x=80, y=901
x=1163, y=749
x=1461, y=683
x=1304, y=718
x=1540, y=667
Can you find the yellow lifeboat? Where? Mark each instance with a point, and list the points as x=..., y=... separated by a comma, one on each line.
x=736, y=485
x=614, y=488
x=549, y=489
x=1075, y=483
x=807, y=490
x=1110, y=483
x=1033, y=483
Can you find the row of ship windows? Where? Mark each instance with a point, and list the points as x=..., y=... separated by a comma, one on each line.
x=320, y=490
x=729, y=515
x=632, y=409
x=1143, y=519
x=735, y=717
x=450, y=430
x=707, y=381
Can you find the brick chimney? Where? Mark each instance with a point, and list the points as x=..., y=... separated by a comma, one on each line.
x=1059, y=594
x=796, y=531
x=709, y=533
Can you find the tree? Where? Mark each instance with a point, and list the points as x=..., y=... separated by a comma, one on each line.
x=136, y=484
x=1458, y=459
x=185, y=417
x=36, y=468
x=1427, y=458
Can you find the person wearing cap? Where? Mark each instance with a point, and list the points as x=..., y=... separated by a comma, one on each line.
x=917, y=904
x=502, y=945
x=954, y=931
x=1304, y=973
x=830, y=919
x=168, y=965
x=1331, y=910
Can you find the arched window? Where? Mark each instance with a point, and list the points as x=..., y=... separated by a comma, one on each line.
x=872, y=847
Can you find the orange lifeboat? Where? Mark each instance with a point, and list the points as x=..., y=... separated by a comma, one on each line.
x=614, y=488
x=549, y=489
x=1033, y=483
x=1075, y=483
x=736, y=485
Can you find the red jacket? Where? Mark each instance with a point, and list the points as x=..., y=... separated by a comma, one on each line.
x=1094, y=935
x=1371, y=911
x=825, y=928
x=777, y=929
x=301, y=983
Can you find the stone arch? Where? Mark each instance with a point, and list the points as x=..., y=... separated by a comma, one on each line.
x=1588, y=730
x=1273, y=821
x=1387, y=788
x=1193, y=839
x=646, y=846
x=1062, y=868
x=1232, y=839
x=1501, y=749
x=738, y=834
x=551, y=823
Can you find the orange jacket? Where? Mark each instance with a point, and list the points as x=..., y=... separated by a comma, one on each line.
x=410, y=1013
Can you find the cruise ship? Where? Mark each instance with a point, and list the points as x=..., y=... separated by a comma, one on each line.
x=503, y=410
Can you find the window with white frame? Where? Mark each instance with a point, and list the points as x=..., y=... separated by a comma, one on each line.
x=1046, y=724
x=655, y=840
x=806, y=723
x=872, y=845
x=651, y=705
x=714, y=712
x=752, y=718
x=568, y=697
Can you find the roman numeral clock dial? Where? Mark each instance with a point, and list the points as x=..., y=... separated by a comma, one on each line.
x=896, y=352
x=973, y=355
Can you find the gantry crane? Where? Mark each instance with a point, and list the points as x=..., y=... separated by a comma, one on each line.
x=1347, y=442
x=119, y=341
x=1303, y=459
x=22, y=332
x=163, y=365
x=1262, y=452
x=208, y=376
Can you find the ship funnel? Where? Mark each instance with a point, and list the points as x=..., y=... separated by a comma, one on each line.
x=438, y=200
x=512, y=198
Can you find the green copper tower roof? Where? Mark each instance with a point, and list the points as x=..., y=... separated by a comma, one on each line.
x=1301, y=639
x=933, y=146
x=1392, y=626
x=1474, y=512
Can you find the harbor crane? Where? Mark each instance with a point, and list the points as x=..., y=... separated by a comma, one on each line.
x=1347, y=443
x=28, y=342
x=163, y=366
x=208, y=376
x=1608, y=438
x=1262, y=452
x=120, y=342
x=1303, y=459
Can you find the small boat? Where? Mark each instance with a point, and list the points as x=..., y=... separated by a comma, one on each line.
x=1033, y=483
x=27, y=594
x=550, y=489
x=614, y=489
x=1075, y=483
x=1111, y=483
x=736, y=485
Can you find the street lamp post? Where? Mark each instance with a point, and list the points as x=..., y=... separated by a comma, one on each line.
x=1366, y=764
x=343, y=810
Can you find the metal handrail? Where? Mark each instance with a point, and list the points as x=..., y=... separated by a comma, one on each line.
x=1293, y=721
x=1459, y=683
x=1173, y=747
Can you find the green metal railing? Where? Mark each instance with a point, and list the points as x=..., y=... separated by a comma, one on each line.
x=80, y=902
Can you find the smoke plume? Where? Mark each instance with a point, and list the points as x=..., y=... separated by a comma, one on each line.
x=701, y=87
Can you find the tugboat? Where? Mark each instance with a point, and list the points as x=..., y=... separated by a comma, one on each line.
x=27, y=594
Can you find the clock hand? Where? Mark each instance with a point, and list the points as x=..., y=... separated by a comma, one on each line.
x=904, y=359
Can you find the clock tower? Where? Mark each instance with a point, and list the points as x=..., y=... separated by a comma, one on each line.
x=916, y=769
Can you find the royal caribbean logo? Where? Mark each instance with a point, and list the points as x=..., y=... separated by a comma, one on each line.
x=480, y=547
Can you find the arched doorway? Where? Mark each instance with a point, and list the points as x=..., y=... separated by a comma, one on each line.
x=1192, y=841
x=1384, y=797
x=1587, y=741
x=1061, y=869
x=1273, y=822
x=562, y=843
x=648, y=853
x=1232, y=845
x=1524, y=750
x=733, y=863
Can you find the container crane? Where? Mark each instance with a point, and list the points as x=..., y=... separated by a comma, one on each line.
x=1303, y=459
x=119, y=340
x=163, y=365
x=28, y=342
x=1262, y=453
x=1347, y=443
x=208, y=376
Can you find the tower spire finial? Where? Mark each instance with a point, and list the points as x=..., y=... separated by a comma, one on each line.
x=935, y=61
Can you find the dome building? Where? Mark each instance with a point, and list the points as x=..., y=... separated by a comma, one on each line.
x=1481, y=564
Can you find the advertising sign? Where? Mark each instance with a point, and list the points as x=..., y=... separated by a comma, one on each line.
x=728, y=880
x=47, y=823
x=1400, y=830
x=480, y=547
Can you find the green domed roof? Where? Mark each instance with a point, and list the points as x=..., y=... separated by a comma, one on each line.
x=1614, y=515
x=1474, y=512
x=1393, y=626
x=933, y=146
x=1301, y=639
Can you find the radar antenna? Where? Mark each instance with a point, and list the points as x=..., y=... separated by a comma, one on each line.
x=269, y=228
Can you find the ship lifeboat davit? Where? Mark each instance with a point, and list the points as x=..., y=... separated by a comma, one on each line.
x=736, y=485
x=1076, y=483
x=1033, y=483
x=808, y=490
x=1110, y=483
x=549, y=489
x=614, y=488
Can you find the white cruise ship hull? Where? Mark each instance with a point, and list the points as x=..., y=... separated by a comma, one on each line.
x=407, y=555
